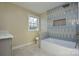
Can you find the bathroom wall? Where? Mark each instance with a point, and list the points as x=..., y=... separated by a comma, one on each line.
x=43, y=18
x=43, y=24
x=14, y=19
x=1, y=19
x=65, y=32
x=78, y=12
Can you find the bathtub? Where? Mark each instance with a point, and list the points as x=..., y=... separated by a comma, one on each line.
x=56, y=47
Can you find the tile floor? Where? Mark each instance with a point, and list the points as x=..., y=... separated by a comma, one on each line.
x=32, y=50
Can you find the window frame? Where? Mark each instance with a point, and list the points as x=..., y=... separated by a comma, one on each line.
x=33, y=30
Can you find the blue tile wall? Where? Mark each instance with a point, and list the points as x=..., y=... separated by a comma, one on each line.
x=68, y=31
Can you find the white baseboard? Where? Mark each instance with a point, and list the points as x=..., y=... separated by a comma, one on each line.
x=23, y=45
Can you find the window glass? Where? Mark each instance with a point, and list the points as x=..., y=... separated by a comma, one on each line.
x=33, y=23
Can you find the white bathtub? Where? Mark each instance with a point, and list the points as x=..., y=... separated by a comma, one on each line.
x=59, y=47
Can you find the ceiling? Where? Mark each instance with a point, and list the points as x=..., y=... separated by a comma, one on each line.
x=39, y=7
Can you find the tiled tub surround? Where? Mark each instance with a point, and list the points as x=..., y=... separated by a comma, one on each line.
x=67, y=31
x=63, y=32
x=62, y=40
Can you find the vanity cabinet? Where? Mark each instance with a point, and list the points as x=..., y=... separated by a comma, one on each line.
x=5, y=44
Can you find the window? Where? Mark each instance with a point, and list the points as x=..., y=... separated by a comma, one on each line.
x=33, y=23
